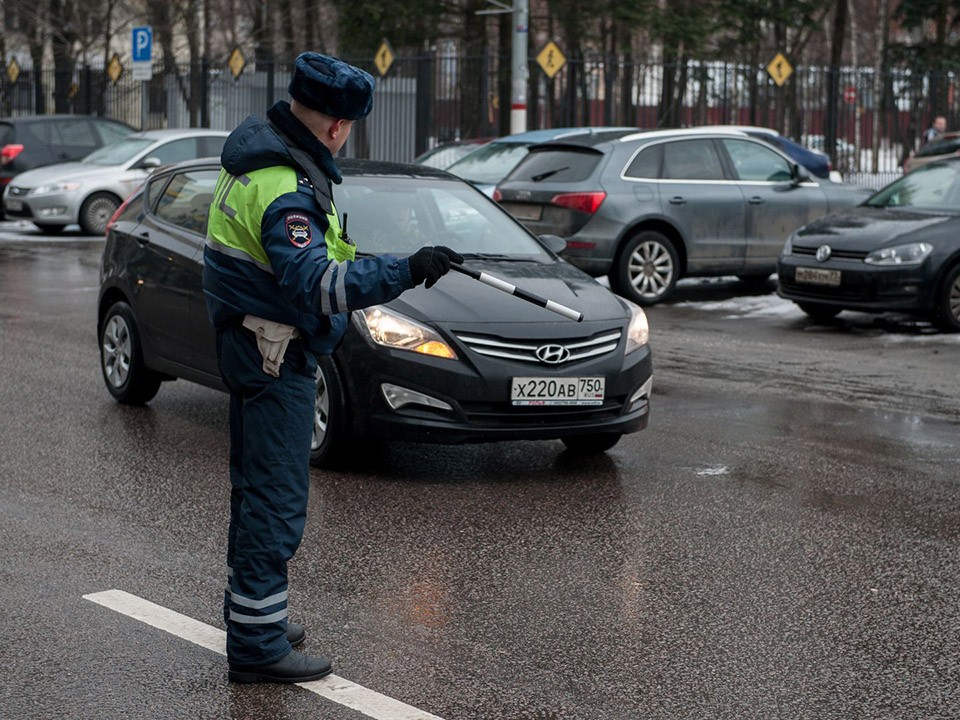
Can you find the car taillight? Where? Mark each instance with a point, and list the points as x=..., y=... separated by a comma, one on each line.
x=9, y=152
x=585, y=202
x=497, y=195
x=123, y=206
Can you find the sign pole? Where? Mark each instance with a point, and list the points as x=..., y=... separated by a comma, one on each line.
x=521, y=35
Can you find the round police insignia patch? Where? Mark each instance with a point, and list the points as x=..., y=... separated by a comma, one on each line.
x=298, y=229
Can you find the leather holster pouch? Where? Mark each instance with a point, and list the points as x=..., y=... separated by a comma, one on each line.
x=272, y=341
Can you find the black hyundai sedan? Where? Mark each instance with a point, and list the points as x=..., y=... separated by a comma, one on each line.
x=460, y=362
x=897, y=252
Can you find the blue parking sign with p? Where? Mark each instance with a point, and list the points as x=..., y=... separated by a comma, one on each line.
x=142, y=44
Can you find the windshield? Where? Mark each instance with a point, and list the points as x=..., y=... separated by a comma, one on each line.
x=119, y=152
x=931, y=187
x=490, y=163
x=400, y=215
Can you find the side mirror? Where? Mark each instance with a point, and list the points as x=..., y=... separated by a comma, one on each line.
x=800, y=174
x=554, y=243
x=150, y=163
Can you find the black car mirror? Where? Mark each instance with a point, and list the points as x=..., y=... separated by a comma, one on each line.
x=800, y=175
x=554, y=243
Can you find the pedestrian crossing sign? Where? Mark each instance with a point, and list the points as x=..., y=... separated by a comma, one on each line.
x=551, y=59
x=780, y=69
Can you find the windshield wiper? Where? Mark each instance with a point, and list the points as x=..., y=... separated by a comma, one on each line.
x=548, y=173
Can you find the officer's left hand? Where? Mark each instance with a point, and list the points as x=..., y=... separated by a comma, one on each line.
x=429, y=264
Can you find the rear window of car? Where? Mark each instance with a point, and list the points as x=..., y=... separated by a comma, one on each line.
x=691, y=160
x=557, y=165
x=186, y=199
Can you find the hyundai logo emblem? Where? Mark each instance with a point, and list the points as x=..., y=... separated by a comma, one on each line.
x=823, y=253
x=552, y=354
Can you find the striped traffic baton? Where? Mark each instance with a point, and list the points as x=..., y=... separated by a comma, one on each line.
x=511, y=289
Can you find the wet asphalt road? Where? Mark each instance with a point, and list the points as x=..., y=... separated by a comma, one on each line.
x=781, y=542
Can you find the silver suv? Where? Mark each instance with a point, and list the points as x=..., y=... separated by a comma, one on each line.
x=651, y=207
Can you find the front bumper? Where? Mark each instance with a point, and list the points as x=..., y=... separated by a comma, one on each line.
x=53, y=208
x=870, y=288
x=477, y=390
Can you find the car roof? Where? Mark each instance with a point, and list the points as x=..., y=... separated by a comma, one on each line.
x=177, y=132
x=675, y=132
x=538, y=136
x=357, y=166
x=592, y=140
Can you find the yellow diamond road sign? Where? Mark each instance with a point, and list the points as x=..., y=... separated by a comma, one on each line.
x=236, y=62
x=780, y=69
x=114, y=69
x=551, y=59
x=13, y=71
x=384, y=58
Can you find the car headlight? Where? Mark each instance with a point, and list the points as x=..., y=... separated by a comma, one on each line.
x=57, y=187
x=638, y=331
x=391, y=329
x=910, y=254
x=788, y=246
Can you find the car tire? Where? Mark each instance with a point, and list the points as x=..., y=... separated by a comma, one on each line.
x=647, y=268
x=818, y=312
x=592, y=444
x=50, y=229
x=947, y=312
x=96, y=212
x=332, y=440
x=126, y=375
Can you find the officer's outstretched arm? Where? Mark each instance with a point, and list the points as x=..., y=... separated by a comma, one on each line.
x=303, y=257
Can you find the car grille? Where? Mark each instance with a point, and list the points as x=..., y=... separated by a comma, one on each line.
x=834, y=253
x=506, y=414
x=573, y=350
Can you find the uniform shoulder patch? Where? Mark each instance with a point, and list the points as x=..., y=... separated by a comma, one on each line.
x=297, y=226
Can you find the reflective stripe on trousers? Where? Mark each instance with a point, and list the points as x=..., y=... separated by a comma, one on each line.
x=271, y=425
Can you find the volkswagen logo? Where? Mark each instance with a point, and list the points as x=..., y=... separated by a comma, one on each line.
x=823, y=253
x=552, y=354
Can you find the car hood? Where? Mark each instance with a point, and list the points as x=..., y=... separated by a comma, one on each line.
x=459, y=299
x=75, y=171
x=866, y=228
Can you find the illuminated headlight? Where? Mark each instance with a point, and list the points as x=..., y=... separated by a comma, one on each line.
x=638, y=332
x=57, y=187
x=391, y=329
x=911, y=254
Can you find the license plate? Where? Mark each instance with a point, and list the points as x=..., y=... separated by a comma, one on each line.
x=818, y=276
x=13, y=205
x=524, y=212
x=557, y=391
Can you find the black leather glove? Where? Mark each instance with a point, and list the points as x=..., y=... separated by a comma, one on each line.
x=432, y=263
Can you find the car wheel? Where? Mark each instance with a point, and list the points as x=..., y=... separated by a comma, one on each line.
x=128, y=378
x=647, y=269
x=332, y=441
x=947, y=313
x=50, y=229
x=593, y=444
x=819, y=312
x=96, y=212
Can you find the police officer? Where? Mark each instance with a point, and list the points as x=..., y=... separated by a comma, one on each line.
x=280, y=278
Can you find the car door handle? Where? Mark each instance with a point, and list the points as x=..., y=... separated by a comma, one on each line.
x=678, y=200
x=756, y=200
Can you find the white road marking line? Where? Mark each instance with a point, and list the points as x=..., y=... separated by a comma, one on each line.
x=339, y=690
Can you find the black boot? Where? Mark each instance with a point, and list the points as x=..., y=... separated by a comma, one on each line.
x=292, y=668
x=295, y=634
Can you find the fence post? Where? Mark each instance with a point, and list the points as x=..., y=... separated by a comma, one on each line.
x=204, y=91
x=830, y=119
x=425, y=100
x=88, y=91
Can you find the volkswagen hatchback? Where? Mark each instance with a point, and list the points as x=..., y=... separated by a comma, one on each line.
x=460, y=362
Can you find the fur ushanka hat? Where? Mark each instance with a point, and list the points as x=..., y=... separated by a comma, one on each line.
x=332, y=87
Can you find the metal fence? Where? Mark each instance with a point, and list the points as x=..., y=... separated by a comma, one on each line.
x=867, y=124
